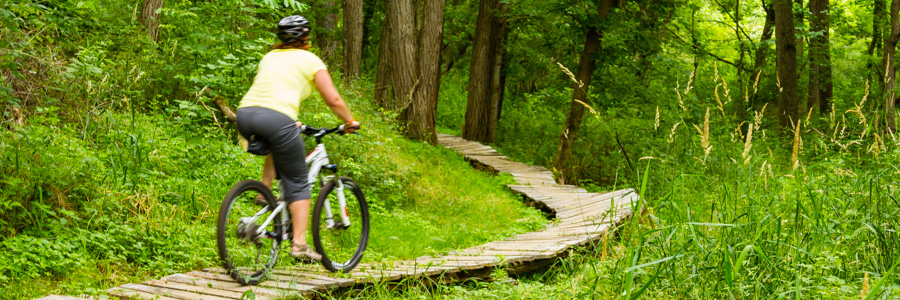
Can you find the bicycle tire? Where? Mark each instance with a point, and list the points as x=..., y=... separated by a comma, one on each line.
x=328, y=259
x=226, y=235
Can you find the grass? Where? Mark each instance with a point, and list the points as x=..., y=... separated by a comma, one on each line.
x=716, y=233
x=731, y=215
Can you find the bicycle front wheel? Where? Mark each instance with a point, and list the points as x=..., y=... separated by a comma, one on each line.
x=248, y=246
x=340, y=235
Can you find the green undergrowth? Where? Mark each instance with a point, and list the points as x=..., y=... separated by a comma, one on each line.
x=125, y=197
x=729, y=215
x=724, y=232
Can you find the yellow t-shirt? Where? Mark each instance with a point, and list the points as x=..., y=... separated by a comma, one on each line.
x=283, y=79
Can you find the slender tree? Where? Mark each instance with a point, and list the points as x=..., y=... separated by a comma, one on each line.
x=762, y=51
x=325, y=36
x=786, y=57
x=498, y=77
x=876, y=50
x=419, y=117
x=353, y=38
x=890, y=48
x=586, y=66
x=481, y=110
x=150, y=16
x=820, y=87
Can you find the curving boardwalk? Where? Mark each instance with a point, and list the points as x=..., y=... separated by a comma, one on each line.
x=583, y=220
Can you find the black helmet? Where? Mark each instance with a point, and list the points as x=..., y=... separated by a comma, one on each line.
x=292, y=29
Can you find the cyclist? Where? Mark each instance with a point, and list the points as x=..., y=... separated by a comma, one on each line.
x=267, y=117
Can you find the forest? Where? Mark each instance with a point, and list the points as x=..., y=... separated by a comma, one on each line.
x=760, y=134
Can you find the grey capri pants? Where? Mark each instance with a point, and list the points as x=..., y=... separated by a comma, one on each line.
x=283, y=139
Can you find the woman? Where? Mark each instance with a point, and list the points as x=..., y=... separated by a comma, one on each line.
x=268, y=113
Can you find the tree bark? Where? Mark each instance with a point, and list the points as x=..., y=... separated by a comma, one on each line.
x=150, y=17
x=404, y=74
x=820, y=87
x=786, y=57
x=890, y=48
x=383, y=68
x=353, y=38
x=480, y=113
x=419, y=116
x=586, y=65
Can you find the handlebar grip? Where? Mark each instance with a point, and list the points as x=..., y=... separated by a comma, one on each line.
x=344, y=127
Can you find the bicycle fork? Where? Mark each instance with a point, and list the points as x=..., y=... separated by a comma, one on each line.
x=342, y=202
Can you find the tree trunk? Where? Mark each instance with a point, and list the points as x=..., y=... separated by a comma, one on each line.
x=383, y=68
x=369, y=9
x=799, y=17
x=786, y=57
x=586, y=67
x=404, y=75
x=480, y=113
x=741, y=103
x=419, y=117
x=353, y=34
x=813, y=95
x=890, y=48
x=876, y=61
x=762, y=52
x=326, y=35
x=820, y=87
x=498, y=78
x=150, y=17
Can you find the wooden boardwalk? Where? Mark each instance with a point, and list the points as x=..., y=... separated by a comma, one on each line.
x=583, y=219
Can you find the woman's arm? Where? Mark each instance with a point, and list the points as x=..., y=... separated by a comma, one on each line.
x=332, y=98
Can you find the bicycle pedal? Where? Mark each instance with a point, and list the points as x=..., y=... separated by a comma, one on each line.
x=261, y=201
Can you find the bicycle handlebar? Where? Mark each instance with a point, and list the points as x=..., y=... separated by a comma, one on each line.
x=318, y=133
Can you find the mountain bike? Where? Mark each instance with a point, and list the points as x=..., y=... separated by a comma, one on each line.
x=250, y=237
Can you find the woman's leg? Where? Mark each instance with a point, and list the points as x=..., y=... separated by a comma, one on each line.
x=300, y=218
x=268, y=173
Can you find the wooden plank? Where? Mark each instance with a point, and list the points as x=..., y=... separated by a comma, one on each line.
x=415, y=269
x=177, y=294
x=130, y=294
x=305, y=277
x=319, y=280
x=466, y=266
x=506, y=253
x=224, y=285
x=284, y=285
x=198, y=289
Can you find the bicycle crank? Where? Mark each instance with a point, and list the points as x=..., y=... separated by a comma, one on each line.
x=247, y=232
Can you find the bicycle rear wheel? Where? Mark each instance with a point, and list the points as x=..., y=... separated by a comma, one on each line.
x=247, y=254
x=341, y=244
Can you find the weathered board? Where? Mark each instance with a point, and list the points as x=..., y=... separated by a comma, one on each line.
x=583, y=219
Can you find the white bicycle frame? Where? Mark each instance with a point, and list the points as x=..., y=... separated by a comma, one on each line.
x=315, y=161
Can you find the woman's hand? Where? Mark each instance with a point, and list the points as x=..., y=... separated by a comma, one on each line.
x=299, y=124
x=351, y=127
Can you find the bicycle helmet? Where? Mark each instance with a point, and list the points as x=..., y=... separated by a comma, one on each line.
x=292, y=29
